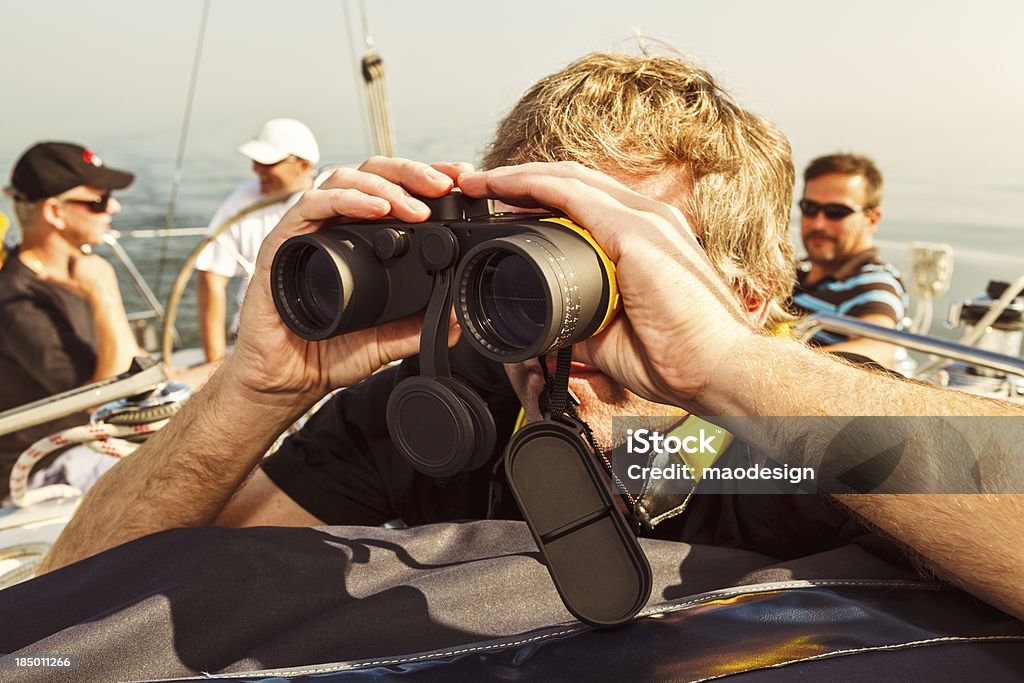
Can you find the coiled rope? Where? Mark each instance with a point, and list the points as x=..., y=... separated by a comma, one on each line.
x=98, y=436
x=28, y=556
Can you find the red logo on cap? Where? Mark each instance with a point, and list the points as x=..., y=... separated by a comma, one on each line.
x=91, y=157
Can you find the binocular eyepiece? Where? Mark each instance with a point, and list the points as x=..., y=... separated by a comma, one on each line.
x=524, y=284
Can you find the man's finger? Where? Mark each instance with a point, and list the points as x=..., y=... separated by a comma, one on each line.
x=413, y=176
x=319, y=205
x=312, y=209
x=616, y=227
x=625, y=195
x=404, y=206
x=592, y=208
x=452, y=169
x=399, y=339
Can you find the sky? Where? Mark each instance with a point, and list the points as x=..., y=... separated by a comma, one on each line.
x=932, y=90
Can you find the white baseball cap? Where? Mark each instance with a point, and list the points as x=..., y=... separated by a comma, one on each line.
x=279, y=139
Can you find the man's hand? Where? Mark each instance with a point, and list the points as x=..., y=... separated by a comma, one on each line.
x=89, y=276
x=272, y=361
x=681, y=329
x=206, y=452
x=95, y=280
x=680, y=318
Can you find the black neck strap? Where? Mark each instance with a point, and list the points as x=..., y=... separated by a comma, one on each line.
x=554, y=401
x=558, y=403
x=434, y=337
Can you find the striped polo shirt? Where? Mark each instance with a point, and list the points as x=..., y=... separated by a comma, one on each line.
x=864, y=285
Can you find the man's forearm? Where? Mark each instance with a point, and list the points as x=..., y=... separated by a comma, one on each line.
x=970, y=540
x=183, y=475
x=806, y=408
x=964, y=538
x=770, y=376
x=115, y=343
x=211, y=289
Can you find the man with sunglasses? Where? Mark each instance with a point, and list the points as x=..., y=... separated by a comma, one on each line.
x=63, y=320
x=283, y=156
x=842, y=273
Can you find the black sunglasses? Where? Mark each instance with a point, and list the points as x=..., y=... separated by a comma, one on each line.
x=833, y=212
x=98, y=205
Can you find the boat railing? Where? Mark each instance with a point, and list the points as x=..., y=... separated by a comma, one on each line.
x=136, y=381
x=954, y=351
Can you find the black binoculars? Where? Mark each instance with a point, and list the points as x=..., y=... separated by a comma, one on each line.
x=521, y=284
x=524, y=284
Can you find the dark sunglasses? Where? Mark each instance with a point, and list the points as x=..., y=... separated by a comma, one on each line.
x=98, y=205
x=833, y=212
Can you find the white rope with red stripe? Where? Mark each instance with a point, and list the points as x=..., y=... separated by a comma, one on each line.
x=98, y=436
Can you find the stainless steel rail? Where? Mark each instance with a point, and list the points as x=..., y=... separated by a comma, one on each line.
x=156, y=309
x=140, y=282
x=80, y=399
x=852, y=327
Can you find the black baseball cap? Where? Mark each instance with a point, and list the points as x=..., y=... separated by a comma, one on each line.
x=49, y=168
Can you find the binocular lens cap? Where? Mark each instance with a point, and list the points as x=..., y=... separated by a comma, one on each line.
x=594, y=559
x=439, y=429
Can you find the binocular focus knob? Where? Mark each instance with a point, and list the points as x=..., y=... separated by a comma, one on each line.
x=390, y=243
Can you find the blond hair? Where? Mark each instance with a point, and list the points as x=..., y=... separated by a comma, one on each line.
x=25, y=212
x=646, y=115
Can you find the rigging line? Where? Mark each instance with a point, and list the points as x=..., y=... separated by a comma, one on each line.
x=182, y=140
x=367, y=38
x=357, y=76
x=381, y=128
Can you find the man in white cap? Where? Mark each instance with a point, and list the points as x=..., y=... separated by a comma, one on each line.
x=283, y=155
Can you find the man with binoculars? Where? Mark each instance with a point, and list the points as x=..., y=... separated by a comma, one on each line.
x=689, y=195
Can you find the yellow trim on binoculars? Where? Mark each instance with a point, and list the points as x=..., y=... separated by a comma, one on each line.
x=4, y=224
x=609, y=267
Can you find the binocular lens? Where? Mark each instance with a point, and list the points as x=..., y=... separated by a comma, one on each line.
x=529, y=293
x=310, y=283
x=318, y=287
x=512, y=299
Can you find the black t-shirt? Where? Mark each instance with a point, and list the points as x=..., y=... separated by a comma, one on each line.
x=47, y=345
x=343, y=468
